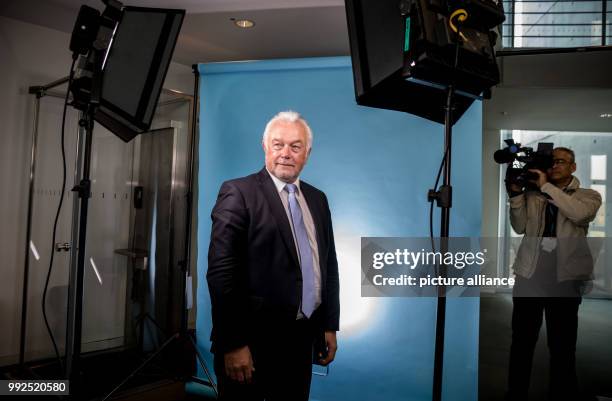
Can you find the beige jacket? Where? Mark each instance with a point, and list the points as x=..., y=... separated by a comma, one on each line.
x=577, y=208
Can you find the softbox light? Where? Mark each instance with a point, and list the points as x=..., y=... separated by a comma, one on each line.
x=135, y=69
x=405, y=53
x=133, y=48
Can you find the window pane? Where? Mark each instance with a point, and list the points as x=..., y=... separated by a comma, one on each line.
x=555, y=23
x=598, y=167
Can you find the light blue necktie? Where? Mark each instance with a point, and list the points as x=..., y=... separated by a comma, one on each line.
x=304, y=250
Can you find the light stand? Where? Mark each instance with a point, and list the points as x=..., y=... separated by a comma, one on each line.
x=75, y=291
x=443, y=198
x=92, y=36
x=87, y=98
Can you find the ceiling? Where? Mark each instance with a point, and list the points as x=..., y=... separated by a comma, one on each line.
x=283, y=28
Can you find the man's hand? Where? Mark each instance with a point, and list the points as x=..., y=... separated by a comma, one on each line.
x=239, y=365
x=541, y=180
x=332, y=346
x=513, y=188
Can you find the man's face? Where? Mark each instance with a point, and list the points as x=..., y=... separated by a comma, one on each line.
x=562, y=168
x=286, y=150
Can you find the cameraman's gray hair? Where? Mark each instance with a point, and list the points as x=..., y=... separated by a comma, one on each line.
x=568, y=151
x=291, y=117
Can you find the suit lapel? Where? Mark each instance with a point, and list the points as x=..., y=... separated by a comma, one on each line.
x=278, y=211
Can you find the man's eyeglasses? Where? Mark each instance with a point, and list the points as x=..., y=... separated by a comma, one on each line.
x=561, y=162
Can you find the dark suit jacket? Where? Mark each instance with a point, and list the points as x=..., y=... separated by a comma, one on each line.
x=253, y=270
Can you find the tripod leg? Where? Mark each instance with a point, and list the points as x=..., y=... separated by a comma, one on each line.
x=202, y=364
x=152, y=334
x=161, y=330
x=142, y=365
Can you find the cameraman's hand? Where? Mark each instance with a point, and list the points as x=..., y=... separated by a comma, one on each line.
x=541, y=180
x=514, y=188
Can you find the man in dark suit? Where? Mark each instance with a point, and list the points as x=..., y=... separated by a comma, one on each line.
x=272, y=273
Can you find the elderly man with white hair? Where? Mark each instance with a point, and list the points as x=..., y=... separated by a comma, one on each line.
x=272, y=273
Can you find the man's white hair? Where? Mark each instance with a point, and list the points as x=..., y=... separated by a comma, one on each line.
x=291, y=117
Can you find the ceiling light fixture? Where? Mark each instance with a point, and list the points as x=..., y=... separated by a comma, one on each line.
x=243, y=23
x=606, y=115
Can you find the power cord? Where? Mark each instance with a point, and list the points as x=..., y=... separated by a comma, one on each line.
x=57, y=214
x=461, y=16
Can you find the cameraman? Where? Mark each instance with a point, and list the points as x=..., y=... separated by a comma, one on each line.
x=552, y=265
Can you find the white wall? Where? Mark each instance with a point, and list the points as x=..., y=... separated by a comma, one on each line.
x=30, y=55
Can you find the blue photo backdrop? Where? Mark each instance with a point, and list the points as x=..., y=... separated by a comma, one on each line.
x=375, y=167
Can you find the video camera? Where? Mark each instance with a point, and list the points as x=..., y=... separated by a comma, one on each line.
x=527, y=159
